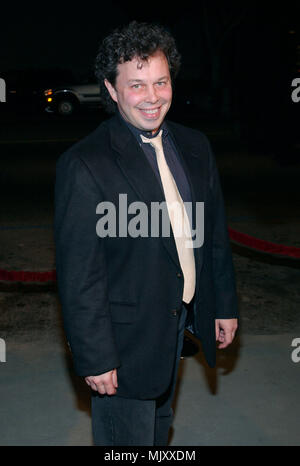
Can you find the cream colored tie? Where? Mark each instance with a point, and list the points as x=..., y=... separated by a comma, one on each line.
x=178, y=219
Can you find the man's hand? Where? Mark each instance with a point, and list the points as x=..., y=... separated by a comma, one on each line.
x=105, y=384
x=225, y=331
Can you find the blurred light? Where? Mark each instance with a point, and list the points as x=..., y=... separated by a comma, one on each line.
x=48, y=92
x=49, y=99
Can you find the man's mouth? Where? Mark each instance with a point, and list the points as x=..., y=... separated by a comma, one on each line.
x=150, y=113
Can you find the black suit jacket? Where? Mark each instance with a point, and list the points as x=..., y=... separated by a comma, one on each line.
x=120, y=295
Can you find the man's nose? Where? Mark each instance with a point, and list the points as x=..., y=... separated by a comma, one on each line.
x=152, y=96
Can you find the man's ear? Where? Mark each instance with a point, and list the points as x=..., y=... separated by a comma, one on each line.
x=111, y=90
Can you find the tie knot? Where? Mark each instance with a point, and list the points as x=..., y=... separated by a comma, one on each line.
x=155, y=142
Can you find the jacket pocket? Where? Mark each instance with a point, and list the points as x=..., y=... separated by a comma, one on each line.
x=123, y=313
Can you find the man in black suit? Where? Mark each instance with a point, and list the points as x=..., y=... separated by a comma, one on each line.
x=129, y=289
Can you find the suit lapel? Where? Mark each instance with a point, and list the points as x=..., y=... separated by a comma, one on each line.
x=134, y=164
x=136, y=168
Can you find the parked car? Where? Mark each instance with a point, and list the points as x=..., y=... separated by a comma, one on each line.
x=66, y=99
x=25, y=87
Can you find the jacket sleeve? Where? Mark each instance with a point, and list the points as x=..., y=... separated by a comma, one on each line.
x=81, y=269
x=223, y=271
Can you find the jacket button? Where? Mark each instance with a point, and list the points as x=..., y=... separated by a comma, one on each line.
x=179, y=274
x=174, y=312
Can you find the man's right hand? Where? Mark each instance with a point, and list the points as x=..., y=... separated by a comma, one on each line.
x=105, y=384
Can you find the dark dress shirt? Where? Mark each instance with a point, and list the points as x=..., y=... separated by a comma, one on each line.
x=171, y=155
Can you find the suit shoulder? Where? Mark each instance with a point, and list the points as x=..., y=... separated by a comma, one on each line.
x=192, y=139
x=193, y=134
x=81, y=151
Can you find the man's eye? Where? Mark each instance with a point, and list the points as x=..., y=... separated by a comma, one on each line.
x=161, y=83
x=136, y=86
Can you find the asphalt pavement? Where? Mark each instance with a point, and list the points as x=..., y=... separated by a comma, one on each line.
x=250, y=398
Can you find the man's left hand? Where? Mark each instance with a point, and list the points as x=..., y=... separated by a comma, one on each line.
x=225, y=331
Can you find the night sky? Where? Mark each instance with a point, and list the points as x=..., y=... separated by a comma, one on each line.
x=48, y=35
x=247, y=52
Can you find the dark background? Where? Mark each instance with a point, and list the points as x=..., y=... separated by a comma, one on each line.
x=238, y=63
x=238, y=58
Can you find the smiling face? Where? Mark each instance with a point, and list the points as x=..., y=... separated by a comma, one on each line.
x=143, y=91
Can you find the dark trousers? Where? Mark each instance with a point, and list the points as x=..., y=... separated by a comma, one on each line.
x=122, y=421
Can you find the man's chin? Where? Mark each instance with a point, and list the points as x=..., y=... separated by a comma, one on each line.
x=151, y=122
x=151, y=125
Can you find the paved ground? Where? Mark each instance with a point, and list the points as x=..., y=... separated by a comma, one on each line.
x=251, y=398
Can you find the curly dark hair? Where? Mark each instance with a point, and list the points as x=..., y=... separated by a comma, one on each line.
x=139, y=40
